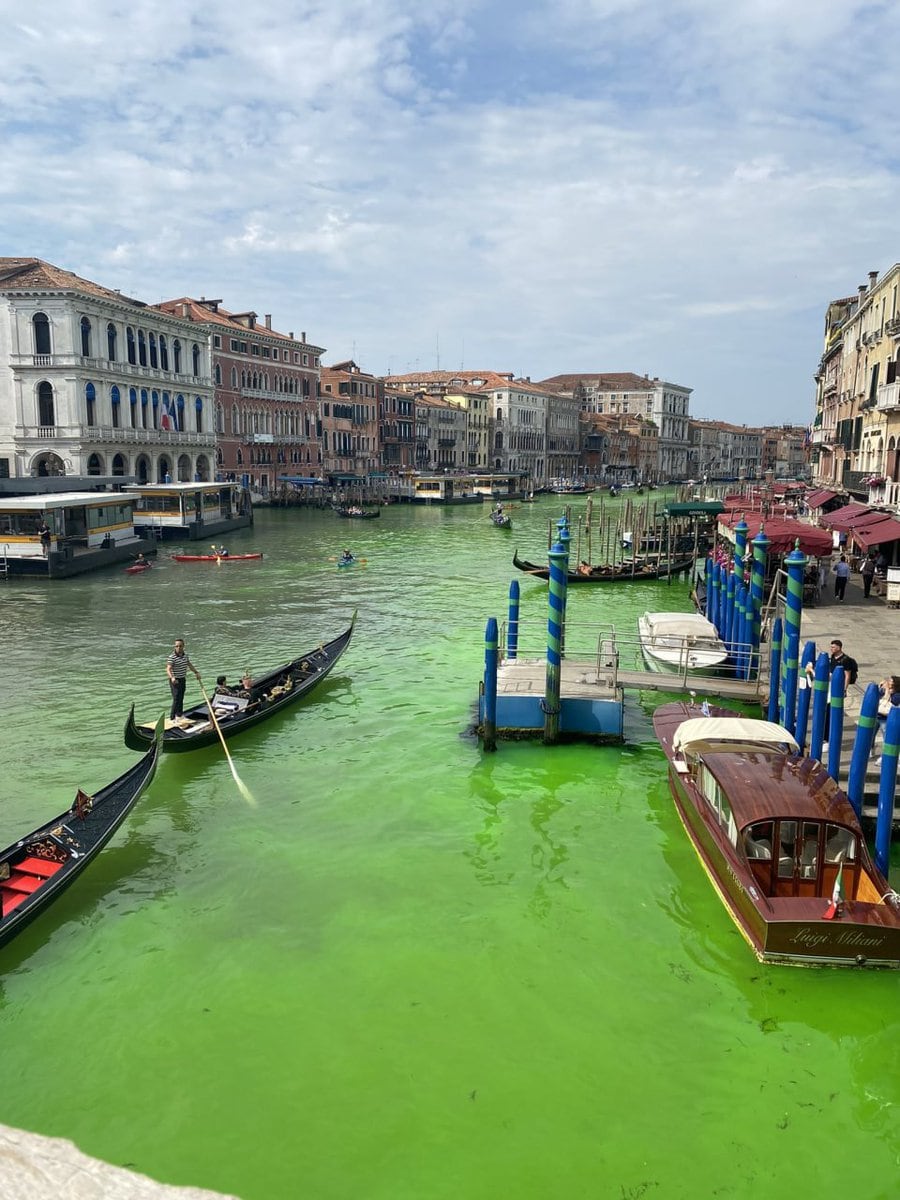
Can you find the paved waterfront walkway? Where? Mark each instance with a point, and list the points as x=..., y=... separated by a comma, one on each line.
x=869, y=630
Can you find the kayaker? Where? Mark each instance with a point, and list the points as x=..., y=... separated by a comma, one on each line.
x=346, y=557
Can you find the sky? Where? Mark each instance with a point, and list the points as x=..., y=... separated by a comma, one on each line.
x=675, y=188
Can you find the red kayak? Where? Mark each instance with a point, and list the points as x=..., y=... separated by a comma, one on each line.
x=137, y=568
x=216, y=558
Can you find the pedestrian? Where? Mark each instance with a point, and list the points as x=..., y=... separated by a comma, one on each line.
x=841, y=575
x=888, y=698
x=837, y=658
x=177, y=666
x=867, y=570
x=45, y=536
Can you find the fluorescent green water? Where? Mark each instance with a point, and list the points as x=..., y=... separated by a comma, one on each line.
x=413, y=970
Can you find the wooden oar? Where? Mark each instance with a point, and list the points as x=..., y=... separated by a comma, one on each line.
x=242, y=787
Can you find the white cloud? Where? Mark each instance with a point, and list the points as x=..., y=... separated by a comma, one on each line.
x=608, y=185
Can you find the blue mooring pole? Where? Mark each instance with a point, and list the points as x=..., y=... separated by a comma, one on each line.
x=774, y=671
x=489, y=719
x=862, y=747
x=804, y=683
x=760, y=545
x=789, y=707
x=556, y=618
x=819, y=706
x=887, y=785
x=512, y=623
x=708, y=580
x=836, y=722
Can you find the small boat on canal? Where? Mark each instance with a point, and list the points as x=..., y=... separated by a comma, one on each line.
x=355, y=513
x=501, y=520
x=273, y=692
x=681, y=642
x=779, y=840
x=216, y=558
x=626, y=571
x=38, y=868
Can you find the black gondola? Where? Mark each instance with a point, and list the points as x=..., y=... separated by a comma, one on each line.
x=270, y=694
x=361, y=514
x=39, y=867
x=620, y=572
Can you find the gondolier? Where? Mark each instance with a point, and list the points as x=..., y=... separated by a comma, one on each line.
x=177, y=666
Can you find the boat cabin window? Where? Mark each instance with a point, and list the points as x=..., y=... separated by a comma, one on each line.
x=758, y=840
x=718, y=802
x=840, y=844
x=799, y=847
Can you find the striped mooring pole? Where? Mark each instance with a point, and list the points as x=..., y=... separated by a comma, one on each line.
x=556, y=617
x=489, y=717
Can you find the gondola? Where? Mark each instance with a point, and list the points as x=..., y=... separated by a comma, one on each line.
x=620, y=572
x=501, y=520
x=223, y=558
x=360, y=514
x=38, y=868
x=270, y=694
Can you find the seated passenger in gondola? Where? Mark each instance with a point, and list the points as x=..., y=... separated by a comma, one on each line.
x=584, y=568
x=246, y=688
x=222, y=688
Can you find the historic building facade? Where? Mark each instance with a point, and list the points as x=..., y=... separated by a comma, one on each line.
x=95, y=383
x=266, y=394
x=350, y=414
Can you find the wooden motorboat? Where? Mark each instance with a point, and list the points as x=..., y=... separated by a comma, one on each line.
x=270, y=694
x=681, y=642
x=216, y=558
x=779, y=840
x=38, y=868
x=628, y=571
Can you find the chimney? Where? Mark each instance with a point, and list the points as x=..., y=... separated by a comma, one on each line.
x=291, y=335
x=873, y=275
x=268, y=320
x=302, y=336
x=185, y=310
x=862, y=291
x=202, y=298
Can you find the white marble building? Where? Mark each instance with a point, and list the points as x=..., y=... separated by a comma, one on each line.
x=95, y=383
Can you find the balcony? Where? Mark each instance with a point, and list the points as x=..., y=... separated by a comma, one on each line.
x=115, y=436
x=888, y=396
x=892, y=327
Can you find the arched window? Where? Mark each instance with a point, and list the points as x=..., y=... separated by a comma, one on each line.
x=144, y=401
x=176, y=355
x=179, y=412
x=115, y=399
x=142, y=468
x=234, y=377
x=167, y=413
x=235, y=420
x=85, y=337
x=41, y=327
x=46, y=416
x=218, y=374
x=499, y=414
x=111, y=342
x=119, y=464
x=220, y=419
x=198, y=405
x=154, y=401
x=142, y=348
x=163, y=352
x=129, y=345
x=90, y=403
x=132, y=404
x=240, y=457
x=195, y=358
x=95, y=465
x=154, y=360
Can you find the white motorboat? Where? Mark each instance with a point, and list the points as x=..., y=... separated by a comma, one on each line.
x=681, y=642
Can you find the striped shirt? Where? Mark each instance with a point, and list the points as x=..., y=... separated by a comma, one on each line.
x=180, y=664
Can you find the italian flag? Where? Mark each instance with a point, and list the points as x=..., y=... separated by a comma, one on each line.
x=837, y=896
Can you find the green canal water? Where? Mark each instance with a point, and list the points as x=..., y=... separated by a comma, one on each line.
x=413, y=970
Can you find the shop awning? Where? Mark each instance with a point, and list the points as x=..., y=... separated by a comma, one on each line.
x=842, y=517
x=867, y=536
x=818, y=498
x=784, y=533
x=692, y=508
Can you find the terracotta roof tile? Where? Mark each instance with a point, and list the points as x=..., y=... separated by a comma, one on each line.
x=28, y=273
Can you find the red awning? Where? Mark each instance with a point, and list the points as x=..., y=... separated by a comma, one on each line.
x=867, y=536
x=864, y=519
x=783, y=533
x=841, y=517
x=820, y=497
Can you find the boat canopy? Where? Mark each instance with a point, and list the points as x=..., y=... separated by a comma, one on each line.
x=698, y=735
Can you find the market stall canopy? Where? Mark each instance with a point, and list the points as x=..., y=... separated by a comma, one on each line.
x=867, y=536
x=818, y=498
x=783, y=533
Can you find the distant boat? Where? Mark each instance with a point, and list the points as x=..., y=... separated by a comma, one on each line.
x=501, y=520
x=623, y=572
x=216, y=558
x=681, y=642
x=358, y=514
x=779, y=840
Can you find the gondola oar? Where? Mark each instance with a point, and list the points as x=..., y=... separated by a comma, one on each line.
x=242, y=787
